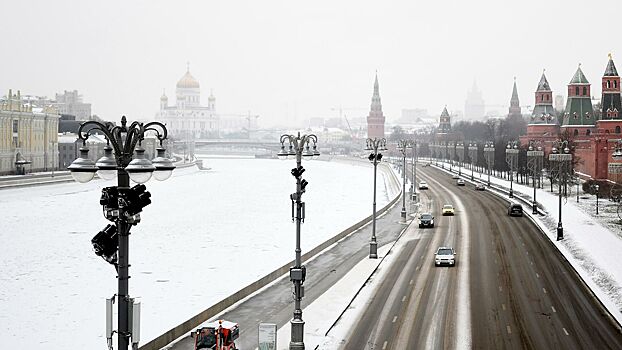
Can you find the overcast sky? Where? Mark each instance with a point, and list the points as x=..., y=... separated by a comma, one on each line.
x=290, y=60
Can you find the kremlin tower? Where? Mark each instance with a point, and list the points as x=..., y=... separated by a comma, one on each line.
x=375, y=120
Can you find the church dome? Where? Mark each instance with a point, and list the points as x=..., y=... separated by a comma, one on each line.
x=187, y=82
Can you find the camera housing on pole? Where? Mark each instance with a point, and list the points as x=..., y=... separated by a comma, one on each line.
x=122, y=205
x=298, y=148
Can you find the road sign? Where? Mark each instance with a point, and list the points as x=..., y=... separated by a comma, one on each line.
x=267, y=336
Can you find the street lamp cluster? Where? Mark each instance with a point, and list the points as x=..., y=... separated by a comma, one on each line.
x=535, y=157
x=299, y=147
x=375, y=145
x=402, y=145
x=511, y=157
x=560, y=155
x=489, y=154
x=122, y=204
x=473, y=156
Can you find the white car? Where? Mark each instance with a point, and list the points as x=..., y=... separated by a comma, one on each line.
x=455, y=176
x=423, y=185
x=460, y=182
x=445, y=256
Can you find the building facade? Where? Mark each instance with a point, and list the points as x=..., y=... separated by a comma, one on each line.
x=474, y=106
x=593, y=138
x=187, y=118
x=376, y=119
x=28, y=136
x=70, y=102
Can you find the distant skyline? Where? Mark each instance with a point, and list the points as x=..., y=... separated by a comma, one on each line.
x=288, y=61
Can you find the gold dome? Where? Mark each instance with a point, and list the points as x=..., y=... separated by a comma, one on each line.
x=188, y=82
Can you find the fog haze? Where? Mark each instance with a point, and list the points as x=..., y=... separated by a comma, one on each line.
x=288, y=61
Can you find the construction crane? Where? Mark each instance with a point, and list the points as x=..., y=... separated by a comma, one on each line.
x=341, y=109
x=247, y=116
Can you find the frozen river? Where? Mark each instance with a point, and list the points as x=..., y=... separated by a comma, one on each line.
x=206, y=235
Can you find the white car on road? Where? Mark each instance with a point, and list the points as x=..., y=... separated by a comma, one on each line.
x=445, y=256
x=423, y=185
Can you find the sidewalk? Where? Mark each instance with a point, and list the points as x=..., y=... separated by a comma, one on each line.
x=591, y=248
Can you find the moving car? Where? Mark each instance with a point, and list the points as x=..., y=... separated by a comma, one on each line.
x=423, y=185
x=480, y=187
x=460, y=182
x=455, y=176
x=426, y=220
x=445, y=255
x=515, y=210
x=448, y=209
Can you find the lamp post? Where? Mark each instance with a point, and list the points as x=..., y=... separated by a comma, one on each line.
x=596, y=187
x=298, y=148
x=413, y=145
x=122, y=204
x=511, y=156
x=459, y=155
x=535, y=156
x=401, y=146
x=473, y=156
x=560, y=154
x=489, y=153
x=375, y=157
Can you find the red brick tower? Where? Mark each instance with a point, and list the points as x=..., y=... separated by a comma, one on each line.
x=375, y=120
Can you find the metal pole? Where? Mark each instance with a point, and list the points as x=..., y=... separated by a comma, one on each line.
x=297, y=322
x=560, y=228
x=123, y=265
x=373, y=245
x=404, y=184
x=535, y=204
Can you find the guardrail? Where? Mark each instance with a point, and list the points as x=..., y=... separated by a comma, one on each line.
x=189, y=325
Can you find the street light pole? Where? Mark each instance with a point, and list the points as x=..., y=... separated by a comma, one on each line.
x=298, y=148
x=122, y=204
x=489, y=151
x=459, y=156
x=560, y=153
x=375, y=157
x=473, y=156
x=535, y=154
x=511, y=153
x=596, y=187
x=402, y=145
x=413, y=145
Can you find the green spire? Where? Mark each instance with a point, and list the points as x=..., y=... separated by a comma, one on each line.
x=579, y=77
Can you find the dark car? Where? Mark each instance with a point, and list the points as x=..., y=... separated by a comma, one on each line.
x=426, y=220
x=480, y=187
x=515, y=210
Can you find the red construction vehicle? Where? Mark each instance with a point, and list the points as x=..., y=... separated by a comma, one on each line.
x=217, y=335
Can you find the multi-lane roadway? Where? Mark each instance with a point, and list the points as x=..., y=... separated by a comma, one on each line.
x=510, y=289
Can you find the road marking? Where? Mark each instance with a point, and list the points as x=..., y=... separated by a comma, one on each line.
x=417, y=268
x=531, y=262
x=565, y=331
x=403, y=298
x=500, y=289
x=503, y=306
x=544, y=290
x=411, y=282
x=538, y=276
x=509, y=329
x=527, y=252
x=523, y=243
x=394, y=319
x=553, y=308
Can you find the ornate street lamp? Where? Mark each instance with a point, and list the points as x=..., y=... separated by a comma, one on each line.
x=535, y=157
x=473, y=156
x=560, y=155
x=596, y=187
x=122, y=204
x=489, y=153
x=511, y=157
x=459, y=153
x=375, y=145
x=413, y=146
x=299, y=147
x=401, y=146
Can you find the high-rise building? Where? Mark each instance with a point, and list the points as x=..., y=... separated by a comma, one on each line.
x=70, y=102
x=559, y=104
x=376, y=119
x=474, y=106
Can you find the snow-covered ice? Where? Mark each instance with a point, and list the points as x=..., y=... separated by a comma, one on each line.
x=206, y=235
